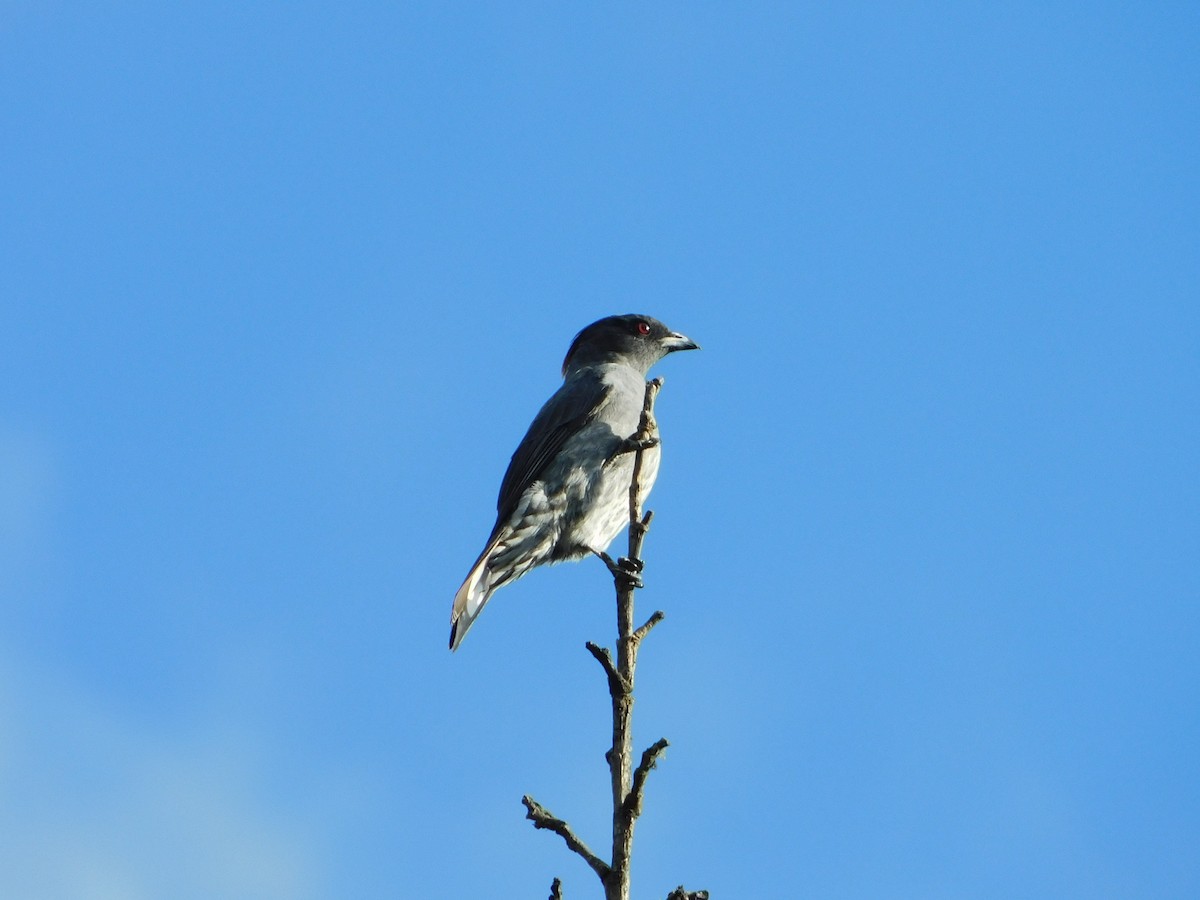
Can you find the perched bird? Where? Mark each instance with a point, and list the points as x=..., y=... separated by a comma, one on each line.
x=566, y=492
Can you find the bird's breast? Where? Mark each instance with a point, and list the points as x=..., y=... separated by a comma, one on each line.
x=597, y=493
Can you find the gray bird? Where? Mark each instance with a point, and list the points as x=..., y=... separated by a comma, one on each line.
x=566, y=492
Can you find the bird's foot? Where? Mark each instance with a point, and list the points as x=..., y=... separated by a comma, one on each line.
x=634, y=443
x=627, y=572
x=631, y=565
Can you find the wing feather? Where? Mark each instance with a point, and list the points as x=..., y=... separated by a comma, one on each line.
x=564, y=414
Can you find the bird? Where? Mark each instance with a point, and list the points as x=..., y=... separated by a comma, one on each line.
x=565, y=494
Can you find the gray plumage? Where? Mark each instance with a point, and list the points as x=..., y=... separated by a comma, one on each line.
x=565, y=495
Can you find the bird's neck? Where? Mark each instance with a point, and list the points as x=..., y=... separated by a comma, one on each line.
x=602, y=364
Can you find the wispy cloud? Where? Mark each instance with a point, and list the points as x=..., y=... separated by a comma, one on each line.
x=99, y=805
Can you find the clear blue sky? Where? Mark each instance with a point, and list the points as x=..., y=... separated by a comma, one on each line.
x=281, y=286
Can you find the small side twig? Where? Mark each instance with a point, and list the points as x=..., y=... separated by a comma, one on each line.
x=658, y=616
x=542, y=818
x=616, y=683
x=556, y=890
x=633, y=803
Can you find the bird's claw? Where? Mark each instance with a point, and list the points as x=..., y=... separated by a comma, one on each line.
x=628, y=578
x=632, y=444
x=626, y=571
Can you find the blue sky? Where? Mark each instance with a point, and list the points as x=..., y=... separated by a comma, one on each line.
x=283, y=286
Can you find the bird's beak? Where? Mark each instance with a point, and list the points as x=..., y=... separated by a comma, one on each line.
x=676, y=341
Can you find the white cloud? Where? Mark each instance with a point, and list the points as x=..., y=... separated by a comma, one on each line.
x=95, y=805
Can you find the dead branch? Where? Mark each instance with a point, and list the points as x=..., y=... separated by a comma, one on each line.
x=650, y=623
x=542, y=818
x=628, y=783
x=633, y=803
x=616, y=684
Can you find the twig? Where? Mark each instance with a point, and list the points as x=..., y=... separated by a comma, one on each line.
x=542, y=818
x=616, y=684
x=628, y=783
x=643, y=436
x=650, y=623
x=620, y=757
x=633, y=803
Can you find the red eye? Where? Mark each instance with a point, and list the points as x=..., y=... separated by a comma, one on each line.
x=643, y=327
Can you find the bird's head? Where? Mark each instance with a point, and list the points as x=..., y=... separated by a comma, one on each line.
x=638, y=341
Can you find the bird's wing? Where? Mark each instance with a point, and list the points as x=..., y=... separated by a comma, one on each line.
x=572, y=406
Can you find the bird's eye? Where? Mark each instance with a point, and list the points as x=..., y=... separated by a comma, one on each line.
x=643, y=327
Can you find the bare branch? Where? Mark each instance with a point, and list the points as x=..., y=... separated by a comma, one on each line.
x=628, y=783
x=542, y=818
x=645, y=434
x=616, y=684
x=633, y=803
x=650, y=623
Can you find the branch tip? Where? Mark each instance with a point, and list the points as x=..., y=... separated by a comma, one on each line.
x=633, y=803
x=543, y=818
x=642, y=440
x=658, y=616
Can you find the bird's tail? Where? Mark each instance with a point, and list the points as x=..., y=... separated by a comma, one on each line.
x=471, y=598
